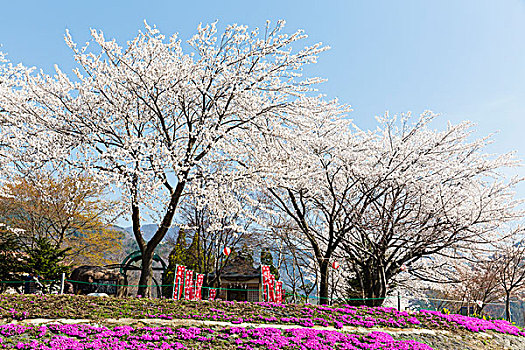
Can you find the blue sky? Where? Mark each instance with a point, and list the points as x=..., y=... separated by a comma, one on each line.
x=463, y=59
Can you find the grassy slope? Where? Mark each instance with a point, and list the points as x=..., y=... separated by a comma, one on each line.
x=447, y=331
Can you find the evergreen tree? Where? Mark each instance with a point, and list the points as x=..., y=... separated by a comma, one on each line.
x=267, y=259
x=45, y=259
x=193, y=256
x=176, y=257
x=10, y=257
x=190, y=256
x=247, y=253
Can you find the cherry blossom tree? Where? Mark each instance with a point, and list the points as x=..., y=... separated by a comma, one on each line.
x=150, y=117
x=510, y=267
x=317, y=165
x=433, y=194
x=10, y=77
x=403, y=195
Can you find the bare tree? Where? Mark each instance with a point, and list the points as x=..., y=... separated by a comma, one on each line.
x=511, y=272
x=475, y=284
x=296, y=263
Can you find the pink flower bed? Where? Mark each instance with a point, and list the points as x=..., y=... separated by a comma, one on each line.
x=474, y=324
x=72, y=307
x=79, y=337
x=362, y=316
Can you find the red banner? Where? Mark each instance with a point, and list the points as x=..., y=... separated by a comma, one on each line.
x=279, y=289
x=213, y=294
x=188, y=288
x=265, y=270
x=271, y=288
x=192, y=287
x=198, y=287
x=179, y=282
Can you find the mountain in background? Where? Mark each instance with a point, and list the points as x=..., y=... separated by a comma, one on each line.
x=149, y=230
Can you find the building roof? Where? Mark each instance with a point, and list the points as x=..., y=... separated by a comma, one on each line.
x=240, y=267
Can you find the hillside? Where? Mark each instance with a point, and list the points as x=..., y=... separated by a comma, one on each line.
x=148, y=230
x=79, y=322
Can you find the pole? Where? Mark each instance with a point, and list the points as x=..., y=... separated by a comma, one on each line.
x=62, y=282
x=398, y=301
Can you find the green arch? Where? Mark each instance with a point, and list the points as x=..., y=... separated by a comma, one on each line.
x=136, y=256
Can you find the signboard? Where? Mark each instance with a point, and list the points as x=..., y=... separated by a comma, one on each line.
x=106, y=286
x=213, y=294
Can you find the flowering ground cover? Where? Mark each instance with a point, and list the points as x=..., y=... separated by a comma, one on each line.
x=78, y=337
x=82, y=307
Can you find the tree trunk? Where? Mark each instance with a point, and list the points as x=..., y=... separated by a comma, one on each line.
x=374, y=284
x=323, y=284
x=148, y=249
x=507, y=306
x=146, y=274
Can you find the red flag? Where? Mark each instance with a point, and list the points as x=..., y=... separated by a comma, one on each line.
x=187, y=284
x=179, y=282
x=198, y=287
x=213, y=294
x=265, y=270
x=192, y=286
x=276, y=286
x=271, y=288
x=280, y=297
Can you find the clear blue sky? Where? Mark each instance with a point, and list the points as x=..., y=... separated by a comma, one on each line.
x=464, y=59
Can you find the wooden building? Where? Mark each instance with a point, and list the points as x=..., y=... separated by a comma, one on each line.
x=240, y=281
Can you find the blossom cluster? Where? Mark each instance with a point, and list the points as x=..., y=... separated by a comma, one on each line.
x=78, y=337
